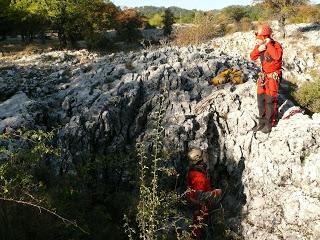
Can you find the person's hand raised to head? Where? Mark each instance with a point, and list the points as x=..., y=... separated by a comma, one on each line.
x=262, y=48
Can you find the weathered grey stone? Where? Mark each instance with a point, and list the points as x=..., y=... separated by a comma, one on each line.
x=19, y=111
x=105, y=103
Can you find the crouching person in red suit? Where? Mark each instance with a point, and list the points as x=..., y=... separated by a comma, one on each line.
x=200, y=192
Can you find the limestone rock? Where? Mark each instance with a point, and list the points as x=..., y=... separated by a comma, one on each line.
x=19, y=111
x=105, y=103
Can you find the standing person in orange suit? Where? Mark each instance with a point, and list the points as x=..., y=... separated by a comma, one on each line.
x=270, y=53
x=199, y=192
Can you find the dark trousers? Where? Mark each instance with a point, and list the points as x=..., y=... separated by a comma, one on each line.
x=268, y=109
x=267, y=98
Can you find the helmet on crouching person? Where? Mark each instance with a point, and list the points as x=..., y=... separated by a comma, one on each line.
x=197, y=155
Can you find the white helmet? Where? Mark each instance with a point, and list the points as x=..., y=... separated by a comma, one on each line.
x=195, y=155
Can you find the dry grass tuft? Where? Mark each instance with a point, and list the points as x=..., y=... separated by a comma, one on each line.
x=204, y=28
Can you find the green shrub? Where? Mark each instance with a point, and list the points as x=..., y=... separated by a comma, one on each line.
x=34, y=179
x=234, y=13
x=305, y=14
x=128, y=22
x=157, y=211
x=156, y=20
x=168, y=21
x=308, y=95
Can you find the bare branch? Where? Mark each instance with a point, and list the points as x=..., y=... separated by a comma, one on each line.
x=40, y=208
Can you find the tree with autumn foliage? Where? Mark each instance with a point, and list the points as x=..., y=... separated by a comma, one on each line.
x=128, y=22
x=305, y=14
x=282, y=9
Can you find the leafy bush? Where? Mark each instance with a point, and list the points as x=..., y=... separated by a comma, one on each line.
x=256, y=12
x=187, y=18
x=128, y=22
x=234, y=13
x=168, y=21
x=165, y=19
x=308, y=95
x=71, y=20
x=305, y=14
x=281, y=10
x=76, y=21
x=182, y=15
x=156, y=20
x=157, y=214
x=98, y=42
x=35, y=179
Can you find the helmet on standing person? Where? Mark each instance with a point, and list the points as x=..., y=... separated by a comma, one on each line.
x=264, y=31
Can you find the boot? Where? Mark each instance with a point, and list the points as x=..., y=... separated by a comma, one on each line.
x=260, y=126
x=267, y=128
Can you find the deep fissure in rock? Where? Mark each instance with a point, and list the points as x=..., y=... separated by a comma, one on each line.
x=229, y=181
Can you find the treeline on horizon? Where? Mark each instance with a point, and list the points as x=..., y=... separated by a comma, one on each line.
x=256, y=12
x=89, y=19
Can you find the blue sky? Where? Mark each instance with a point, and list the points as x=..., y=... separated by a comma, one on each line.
x=188, y=4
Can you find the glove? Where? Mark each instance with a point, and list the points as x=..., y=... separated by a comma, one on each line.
x=267, y=40
x=262, y=48
x=216, y=193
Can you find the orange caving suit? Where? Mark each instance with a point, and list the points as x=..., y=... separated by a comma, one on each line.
x=268, y=85
x=197, y=180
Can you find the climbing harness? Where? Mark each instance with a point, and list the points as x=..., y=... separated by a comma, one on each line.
x=264, y=77
x=275, y=76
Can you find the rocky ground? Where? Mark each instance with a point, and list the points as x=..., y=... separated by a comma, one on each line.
x=104, y=103
x=301, y=49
